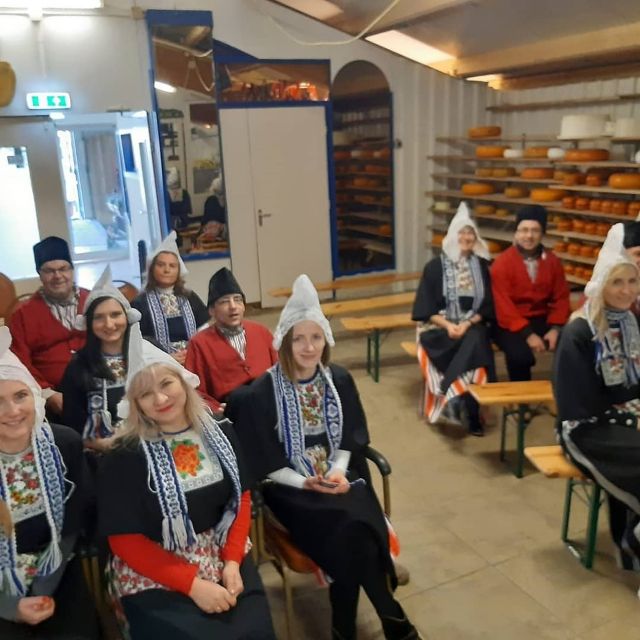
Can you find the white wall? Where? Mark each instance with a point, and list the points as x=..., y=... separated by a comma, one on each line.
x=104, y=64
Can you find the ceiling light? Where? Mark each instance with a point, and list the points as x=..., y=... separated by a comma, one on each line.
x=31, y=5
x=163, y=86
x=490, y=77
x=56, y=115
x=319, y=9
x=408, y=47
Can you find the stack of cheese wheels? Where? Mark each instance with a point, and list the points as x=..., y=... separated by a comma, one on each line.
x=537, y=173
x=624, y=180
x=484, y=172
x=547, y=195
x=477, y=188
x=484, y=132
x=483, y=151
x=536, y=152
x=516, y=192
x=586, y=155
x=484, y=209
x=503, y=172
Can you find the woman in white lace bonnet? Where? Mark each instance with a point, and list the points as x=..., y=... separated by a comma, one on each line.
x=43, y=593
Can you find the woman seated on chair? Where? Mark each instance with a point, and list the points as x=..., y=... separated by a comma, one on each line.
x=597, y=388
x=171, y=313
x=173, y=506
x=455, y=305
x=303, y=428
x=93, y=382
x=42, y=482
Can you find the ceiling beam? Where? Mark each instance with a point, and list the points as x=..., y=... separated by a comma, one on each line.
x=603, y=42
x=408, y=12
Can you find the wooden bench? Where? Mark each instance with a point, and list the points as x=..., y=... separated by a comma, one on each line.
x=410, y=348
x=521, y=395
x=374, y=325
x=552, y=462
x=358, y=282
x=367, y=304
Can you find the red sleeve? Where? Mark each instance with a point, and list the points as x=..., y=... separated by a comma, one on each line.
x=237, y=536
x=20, y=346
x=559, y=305
x=273, y=354
x=149, y=559
x=506, y=312
x=195, y=362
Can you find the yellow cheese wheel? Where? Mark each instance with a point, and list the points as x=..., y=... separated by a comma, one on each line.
x=484, y=209
x=537, y=173
x=484, y=172
x=547, y=195
x=7, y=83
x=536, y=152
x=477, y=188
x=624, y=180
x=503, y=172
x=484, y=132
x=516, y=192
x=490, y=152
x=502, y=213
x=586, y=155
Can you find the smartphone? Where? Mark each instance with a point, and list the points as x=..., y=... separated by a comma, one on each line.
x=328, y=485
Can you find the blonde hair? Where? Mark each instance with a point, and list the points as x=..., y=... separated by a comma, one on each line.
x=285, y=355
x=597, y=315
x=138, y=425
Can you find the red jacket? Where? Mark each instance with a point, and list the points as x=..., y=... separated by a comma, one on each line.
x=517, y=299
x=42, y=344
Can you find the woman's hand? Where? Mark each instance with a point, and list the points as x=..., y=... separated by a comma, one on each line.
x=231, y=578
x=35, y=609
x=180, y=356
x=211, y=597
x=455, y=331
x=333, y=484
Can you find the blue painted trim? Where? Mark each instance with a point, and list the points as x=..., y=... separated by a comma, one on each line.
x=224, y=51
x=192, y=257
x=271, y=105
x=178, y=17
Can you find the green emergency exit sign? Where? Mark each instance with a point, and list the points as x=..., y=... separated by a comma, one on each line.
x=48, y=101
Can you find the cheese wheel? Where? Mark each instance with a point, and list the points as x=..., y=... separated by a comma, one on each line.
x=547, y=195
x=633, y=208
x=569, y=269
x=624, y=180
x=502, y=213
x=606, y=206
x=568, y=202
x=536, y=152
x=595, y=205
x=436, y=239
x=573, y=178
x=560, y=247
x=537, y=173
x=484, y=209
x=477, y=188
x=619, y=207
x=582, y=203
x=593, y=180
x=585, y=250
x=602, y=228
x=564, y=225
x=513, y=153
x=578, y=225
x=490, y=152
x=503, y=172
x=484, y=172
x=586, y=155
x=516, y=192
x=573, y=248
x=591, y=228
x=493, y=246
x=487, y=131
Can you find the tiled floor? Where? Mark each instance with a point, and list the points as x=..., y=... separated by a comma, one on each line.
x=483, y=547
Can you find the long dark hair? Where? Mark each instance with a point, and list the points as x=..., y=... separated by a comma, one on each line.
x=90, y=356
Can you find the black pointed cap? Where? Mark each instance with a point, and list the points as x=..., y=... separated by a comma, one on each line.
x=51, y=248
x=222, y=283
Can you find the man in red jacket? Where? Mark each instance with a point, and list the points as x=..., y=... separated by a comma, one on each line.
x=233, y=351
x=43, y=328
x=530, y=294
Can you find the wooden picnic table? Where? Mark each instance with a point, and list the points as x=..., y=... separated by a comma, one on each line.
x=367, y=304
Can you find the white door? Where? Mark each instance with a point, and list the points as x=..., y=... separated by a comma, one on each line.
x=32, y=204
x=291, y=196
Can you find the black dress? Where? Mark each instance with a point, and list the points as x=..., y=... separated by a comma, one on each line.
x=451, y=357
x=317, y=522
x=597, y=429
x=75, y=616
x=127, y=505
x=178, y=329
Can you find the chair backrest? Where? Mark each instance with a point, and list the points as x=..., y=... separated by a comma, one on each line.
x=8, y=296
x=129, y=291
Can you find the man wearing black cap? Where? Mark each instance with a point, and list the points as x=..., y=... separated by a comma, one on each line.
x=43, y=330
x=530, y=294
x=233, y=351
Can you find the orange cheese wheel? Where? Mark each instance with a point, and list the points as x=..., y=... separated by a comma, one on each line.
x=547, y=195
x=503, y=172
x=536, y=152
x=484, y=209
x=586, y=155
x=516, y=192
x=537, y=173
x=624, y=180
x=484, y=132
x=502, y=213
x=493, y=246
x=490, y=152
x=436, y=239
x=484, y=172
x=477, y=188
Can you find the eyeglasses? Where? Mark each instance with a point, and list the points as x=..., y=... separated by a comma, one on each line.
x=225, y=300
x=48, y=271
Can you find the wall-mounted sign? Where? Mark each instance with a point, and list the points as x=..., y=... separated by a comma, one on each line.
x=48, y=101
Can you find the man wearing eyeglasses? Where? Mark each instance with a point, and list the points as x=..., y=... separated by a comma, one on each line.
x=43, y=327
x=231, y=351
x=530, y=294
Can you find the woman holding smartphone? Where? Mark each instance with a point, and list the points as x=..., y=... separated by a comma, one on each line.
x=302, y=427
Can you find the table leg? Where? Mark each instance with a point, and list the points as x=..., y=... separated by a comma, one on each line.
x=369, y=354
x=522, y=425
